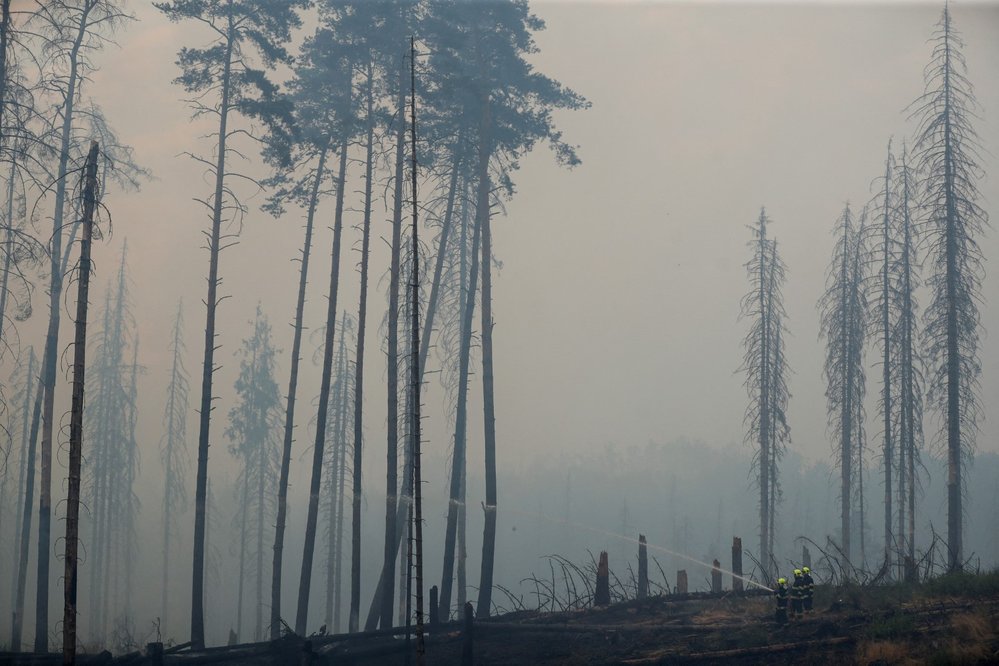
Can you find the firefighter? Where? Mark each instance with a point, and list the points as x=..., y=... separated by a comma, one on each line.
x=780, y=594
x=797, y=594
x=806, y=575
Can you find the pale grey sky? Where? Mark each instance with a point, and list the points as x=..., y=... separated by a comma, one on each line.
x=616, y=308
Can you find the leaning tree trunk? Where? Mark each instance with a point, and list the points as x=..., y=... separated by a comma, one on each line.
x=312, y=520
x=211, y=304
x=76, y=412
x=488, y=400
x=289, y=419
x=362, y=311
x=461, y=410
x=51, y=351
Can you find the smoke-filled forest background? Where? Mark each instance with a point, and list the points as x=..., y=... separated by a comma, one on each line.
x=616, y=296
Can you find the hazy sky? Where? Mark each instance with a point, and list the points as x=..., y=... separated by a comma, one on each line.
x=617, y=304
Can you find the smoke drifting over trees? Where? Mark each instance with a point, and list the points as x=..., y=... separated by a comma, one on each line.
x=507, y=282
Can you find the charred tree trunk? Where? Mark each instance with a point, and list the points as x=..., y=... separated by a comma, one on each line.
x=392, y=452
x=289, y=420
x=52, y=346
x=362, y=310
x=304, y=586
x=211, y=303
x=76, y=413
x=415, y=376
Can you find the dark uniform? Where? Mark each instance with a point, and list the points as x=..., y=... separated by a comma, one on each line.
x=797, y=595
x=809, y=590
x=781, y=595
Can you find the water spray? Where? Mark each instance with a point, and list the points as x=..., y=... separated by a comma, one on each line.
x=630, y=539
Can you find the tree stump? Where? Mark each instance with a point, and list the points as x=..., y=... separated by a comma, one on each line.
x=643, y=567
x=154, y=651
x=737, y=585
x=601, y=597
x=468, y=637
x=806, y=557
x=435, y=617
x=716, y=577
x=681, y=581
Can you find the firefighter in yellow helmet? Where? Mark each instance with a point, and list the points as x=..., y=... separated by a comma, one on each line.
x=797, y=594
x=781, y=595
x=806, y=576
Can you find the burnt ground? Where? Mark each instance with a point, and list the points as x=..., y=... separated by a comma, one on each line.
x=887, y=625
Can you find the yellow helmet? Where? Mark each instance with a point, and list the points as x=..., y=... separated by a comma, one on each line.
x=797, y=572
x=782, y=581
x=806, y=569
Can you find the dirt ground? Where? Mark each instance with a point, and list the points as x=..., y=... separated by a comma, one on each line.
x=883, y=625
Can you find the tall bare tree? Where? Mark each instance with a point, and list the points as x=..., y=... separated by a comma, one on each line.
x=90, y=195
x=906, y=359
x=883, y=252
x=766, y=378
x=947, y=148
x=844, y=323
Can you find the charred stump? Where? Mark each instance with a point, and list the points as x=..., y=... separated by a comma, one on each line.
x=601, y=597
x=643, y=567
x=737, y=564
x=716, y=577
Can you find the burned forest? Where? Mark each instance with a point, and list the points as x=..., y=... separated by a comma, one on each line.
x=498, y=332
